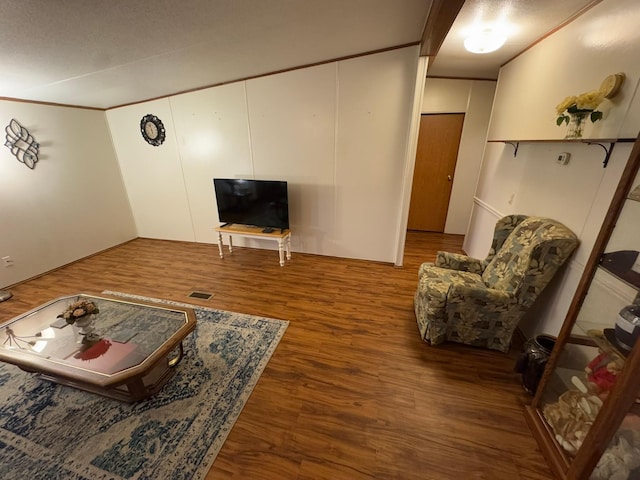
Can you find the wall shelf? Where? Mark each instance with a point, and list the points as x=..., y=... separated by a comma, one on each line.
x=602, y=142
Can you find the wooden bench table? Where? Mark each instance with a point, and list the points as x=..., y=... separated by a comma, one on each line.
x=282, y=236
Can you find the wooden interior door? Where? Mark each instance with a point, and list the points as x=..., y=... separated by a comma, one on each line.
x=438, y=143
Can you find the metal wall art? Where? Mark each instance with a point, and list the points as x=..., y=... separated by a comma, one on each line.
x=22, y=144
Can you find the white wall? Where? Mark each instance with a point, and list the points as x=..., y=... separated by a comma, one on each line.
x=473, y=98
x=571, y=61
x=152, y=175
x=336, y=132
x=211, y=142
x=443, y=95
x=375, y=99
x=293, y=137
x=72, y=204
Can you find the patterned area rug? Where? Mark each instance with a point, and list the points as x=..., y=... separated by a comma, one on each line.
x=49, y=431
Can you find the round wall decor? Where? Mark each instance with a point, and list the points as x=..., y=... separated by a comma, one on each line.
x=611, y=84
x=152, y=130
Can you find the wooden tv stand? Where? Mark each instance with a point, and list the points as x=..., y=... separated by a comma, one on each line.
x=282, y=236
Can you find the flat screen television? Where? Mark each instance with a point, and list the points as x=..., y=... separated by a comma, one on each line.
x=261, y=203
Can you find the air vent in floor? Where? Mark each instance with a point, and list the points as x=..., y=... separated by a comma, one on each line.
x=201, y=295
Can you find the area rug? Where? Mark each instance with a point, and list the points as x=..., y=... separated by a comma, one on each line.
x=49, y=431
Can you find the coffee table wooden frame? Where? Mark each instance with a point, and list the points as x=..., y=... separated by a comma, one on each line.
x=132, y=384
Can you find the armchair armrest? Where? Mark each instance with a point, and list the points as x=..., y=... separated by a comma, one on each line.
x=456, y=261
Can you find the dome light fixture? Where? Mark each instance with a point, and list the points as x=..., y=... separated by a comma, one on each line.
x=484, y=41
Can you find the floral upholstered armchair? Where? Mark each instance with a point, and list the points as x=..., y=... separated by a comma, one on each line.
x=480, y=302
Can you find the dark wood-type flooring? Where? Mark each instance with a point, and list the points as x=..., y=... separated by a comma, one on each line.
x=351, y=391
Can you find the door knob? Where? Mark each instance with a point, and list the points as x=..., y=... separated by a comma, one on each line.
x=449, y=177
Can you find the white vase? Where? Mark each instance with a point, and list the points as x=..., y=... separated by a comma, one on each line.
x=86, y=324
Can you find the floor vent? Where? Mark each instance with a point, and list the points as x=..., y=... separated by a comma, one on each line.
x=201, y=295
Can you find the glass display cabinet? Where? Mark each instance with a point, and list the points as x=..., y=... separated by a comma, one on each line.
x=586, y=412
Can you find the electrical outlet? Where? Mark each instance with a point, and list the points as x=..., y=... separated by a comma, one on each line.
x=7, y=261
x=563, y=158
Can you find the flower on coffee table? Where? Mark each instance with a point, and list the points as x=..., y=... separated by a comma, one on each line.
x=78, y=310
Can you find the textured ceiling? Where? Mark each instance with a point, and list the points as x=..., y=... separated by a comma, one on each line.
x=110, y=53
x=114, y=52
x=525, y=20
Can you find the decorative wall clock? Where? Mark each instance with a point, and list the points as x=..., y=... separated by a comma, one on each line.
x=152, y=130
x=22, y=144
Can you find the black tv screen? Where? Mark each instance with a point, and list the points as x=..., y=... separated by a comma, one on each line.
x=261, y=203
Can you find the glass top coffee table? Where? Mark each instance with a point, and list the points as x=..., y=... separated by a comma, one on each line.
x=130, y=355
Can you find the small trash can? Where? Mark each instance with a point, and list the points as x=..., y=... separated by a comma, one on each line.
x=533, y=360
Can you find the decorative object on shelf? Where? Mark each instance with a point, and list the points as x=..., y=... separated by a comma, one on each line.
x=622, y=457
x=605, y=339
x=575, y=109
x=571, y=416
x=610, y=86
x=576, y=409
x=5, y=295
x=627, y=328
x=152, y=130
x=21, y=143
x=576, y=124
x=602, y=373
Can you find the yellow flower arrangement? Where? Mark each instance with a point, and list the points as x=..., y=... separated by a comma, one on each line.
x=585, y=103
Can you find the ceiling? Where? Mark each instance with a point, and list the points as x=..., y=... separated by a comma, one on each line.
x=526, y=21
x=106, y=54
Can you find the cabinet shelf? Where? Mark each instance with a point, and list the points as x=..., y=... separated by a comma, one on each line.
x=619, y=264
x=588, y=141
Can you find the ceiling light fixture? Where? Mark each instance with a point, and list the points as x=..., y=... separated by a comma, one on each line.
x=484, y=41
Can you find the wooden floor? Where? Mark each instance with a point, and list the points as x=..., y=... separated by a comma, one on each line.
x=351, y=391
